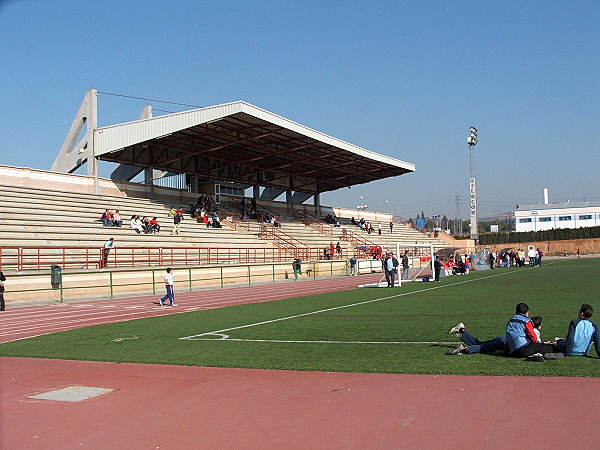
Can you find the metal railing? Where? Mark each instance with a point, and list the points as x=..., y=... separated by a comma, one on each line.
x=90, y=258
x=355, y=239
x=118, y=282
x=314, y=223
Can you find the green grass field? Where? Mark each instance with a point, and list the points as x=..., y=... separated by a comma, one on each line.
x=401, y=330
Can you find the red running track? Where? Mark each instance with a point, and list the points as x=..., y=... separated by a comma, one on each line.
x=175, y=407
x=30, y=321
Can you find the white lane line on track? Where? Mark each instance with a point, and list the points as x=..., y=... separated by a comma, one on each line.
x=295, y=316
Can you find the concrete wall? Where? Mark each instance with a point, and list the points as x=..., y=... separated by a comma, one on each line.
x=557, y=248
x=34, y=288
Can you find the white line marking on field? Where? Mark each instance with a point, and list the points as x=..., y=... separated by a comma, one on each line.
x=295, y=316
x=283, y=341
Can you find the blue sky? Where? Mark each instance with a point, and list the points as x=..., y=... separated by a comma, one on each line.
x=402, y=78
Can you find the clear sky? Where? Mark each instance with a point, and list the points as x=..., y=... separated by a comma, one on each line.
x=402, y=78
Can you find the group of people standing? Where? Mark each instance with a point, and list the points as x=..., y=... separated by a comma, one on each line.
x=512, y=258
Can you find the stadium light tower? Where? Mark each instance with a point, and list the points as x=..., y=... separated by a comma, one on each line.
x=472, y=142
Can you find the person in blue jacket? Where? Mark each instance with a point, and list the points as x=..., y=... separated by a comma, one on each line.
x=521, y=338
x=582, y=332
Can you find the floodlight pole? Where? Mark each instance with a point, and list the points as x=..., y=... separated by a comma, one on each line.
x=472, y=142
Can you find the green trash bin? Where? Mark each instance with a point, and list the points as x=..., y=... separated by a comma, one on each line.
x=55, y=275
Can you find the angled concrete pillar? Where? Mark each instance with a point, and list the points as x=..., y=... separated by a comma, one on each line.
x=255, y=191
x=74, y=153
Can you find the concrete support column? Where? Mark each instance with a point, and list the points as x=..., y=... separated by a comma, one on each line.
x=288, y=201
x=149, y=180
x=255, y=191
x=317, y=203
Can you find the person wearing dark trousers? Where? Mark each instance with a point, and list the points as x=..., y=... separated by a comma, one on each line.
x=390, y=265
x=522, y=339
x=2, y=280
x=105, y=252
x=437, y=268
x=170, y=295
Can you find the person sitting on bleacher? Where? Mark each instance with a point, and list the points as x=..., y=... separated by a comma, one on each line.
x=146, y=224
x=106, y=218
x=153, y=226
x=136, y=224
x=117, y=220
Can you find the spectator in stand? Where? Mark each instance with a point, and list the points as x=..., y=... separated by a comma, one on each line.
x=106, y=218
x=146, y=224
x=136, y=224
x=216, y=220
x=391, y=227
x=153, y=226
x=117, y=220
x=331, y=250
x=338, y=250
x=105, y=252
x=177, y=219
x=353, y=221
x=205, y=220
x=253, y=205
x=379, y=228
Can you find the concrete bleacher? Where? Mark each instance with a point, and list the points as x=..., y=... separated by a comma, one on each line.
x=43, y=218
x=315, y=239
x=50, y=219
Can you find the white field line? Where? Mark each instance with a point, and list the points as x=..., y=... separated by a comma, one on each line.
x=280, y=341
x=295, y=316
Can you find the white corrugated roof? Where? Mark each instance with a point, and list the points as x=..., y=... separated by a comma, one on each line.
x=116, y=137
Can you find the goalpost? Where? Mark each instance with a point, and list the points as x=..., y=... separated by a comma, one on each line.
x=420, y=260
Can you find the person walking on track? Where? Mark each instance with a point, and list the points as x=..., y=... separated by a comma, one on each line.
x=169, y=286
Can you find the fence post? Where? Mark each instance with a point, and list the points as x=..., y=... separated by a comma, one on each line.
x=153, y=283
x=110, y=278
x=221, y=276
x=273, y=266
x=190, y=278
x=249, y=279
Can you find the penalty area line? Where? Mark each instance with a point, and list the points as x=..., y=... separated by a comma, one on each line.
x=295, y=316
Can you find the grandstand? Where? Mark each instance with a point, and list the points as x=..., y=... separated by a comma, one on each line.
x=52, y=218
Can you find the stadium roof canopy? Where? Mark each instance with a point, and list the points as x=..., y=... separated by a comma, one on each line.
x=242, y=143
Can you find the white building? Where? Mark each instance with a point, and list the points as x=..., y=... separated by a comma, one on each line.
x=557, y=215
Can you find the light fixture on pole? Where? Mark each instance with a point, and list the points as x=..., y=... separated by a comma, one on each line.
x=472, y=142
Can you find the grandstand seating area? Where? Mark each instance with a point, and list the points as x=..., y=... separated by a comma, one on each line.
x=39, y=227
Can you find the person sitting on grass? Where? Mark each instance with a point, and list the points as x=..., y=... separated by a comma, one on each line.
x=582, y=332
x=522, y=340
x=495, y=345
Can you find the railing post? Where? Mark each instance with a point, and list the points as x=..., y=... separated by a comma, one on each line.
x=273, y=266
x=221, y=276
x=153, y=282
x=249, y=279
x=190, y=277
x=110, y=280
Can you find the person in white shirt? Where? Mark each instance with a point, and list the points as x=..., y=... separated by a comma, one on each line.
x=169, y=286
